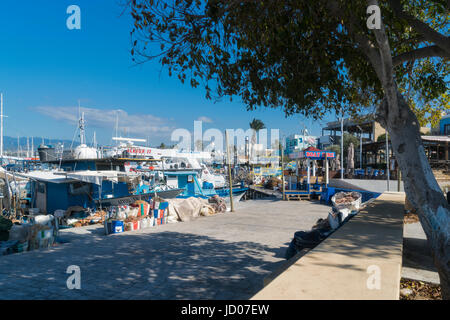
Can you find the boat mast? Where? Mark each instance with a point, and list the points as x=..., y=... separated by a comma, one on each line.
x=1, y=129
x=117, y=126
x=1, y=124
x=81, y=125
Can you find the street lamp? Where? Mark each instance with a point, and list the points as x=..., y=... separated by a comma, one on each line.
x=342, y=146
x=360, y=146
x=387, y=160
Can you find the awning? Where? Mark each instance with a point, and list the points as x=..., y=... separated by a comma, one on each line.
x=45, y=176
x=436, y=138
x=96, y=177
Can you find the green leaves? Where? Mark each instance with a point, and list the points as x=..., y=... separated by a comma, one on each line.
x=294, y=55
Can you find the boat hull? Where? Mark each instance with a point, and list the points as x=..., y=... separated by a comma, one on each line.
x=165, y=194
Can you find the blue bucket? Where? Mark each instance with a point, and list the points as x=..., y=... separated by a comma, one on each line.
x=116, y=226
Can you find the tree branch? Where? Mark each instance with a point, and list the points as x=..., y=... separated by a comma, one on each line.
x=387, y=66
x=420, y=53
x=429, y=33
x=364, y=43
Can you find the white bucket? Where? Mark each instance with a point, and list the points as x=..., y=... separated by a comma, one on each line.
x=44, y=219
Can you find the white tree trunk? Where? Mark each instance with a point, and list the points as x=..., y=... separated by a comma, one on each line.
x=420, y=184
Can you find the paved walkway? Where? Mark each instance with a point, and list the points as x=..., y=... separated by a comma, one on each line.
x=360, y=260
x=225, y=256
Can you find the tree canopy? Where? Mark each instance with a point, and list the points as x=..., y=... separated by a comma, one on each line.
x=305, y=57
x=314, y=57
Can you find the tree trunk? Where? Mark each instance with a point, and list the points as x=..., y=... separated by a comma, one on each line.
x=421, y=187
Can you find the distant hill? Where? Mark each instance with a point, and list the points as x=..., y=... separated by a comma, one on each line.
x=10, y=143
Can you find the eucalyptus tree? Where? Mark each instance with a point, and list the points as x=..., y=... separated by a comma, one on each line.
x=316, y=57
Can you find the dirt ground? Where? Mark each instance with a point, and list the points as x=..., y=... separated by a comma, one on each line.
x=419, y=290
x=411, y=217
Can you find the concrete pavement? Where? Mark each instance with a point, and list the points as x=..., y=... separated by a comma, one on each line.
x=417, y=259
x=361, y=260
x=225, y=256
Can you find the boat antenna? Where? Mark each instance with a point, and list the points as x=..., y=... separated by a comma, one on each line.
x=61, y=156
x=81, y=125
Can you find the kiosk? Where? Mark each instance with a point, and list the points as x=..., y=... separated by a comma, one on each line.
x=311, y=186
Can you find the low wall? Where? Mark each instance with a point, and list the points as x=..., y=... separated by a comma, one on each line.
x=379, y=186
x=361, y=260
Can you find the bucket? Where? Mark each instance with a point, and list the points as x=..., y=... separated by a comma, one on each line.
x=116, y=226
x=44, y=219
x=46, y=234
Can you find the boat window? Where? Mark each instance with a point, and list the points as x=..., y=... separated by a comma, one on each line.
x=41, y=187
x=78, y=188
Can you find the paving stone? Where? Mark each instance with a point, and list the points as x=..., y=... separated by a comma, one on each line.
x=225, y=256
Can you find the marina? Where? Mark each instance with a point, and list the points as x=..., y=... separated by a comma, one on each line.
x=57, y=205
x=237, y=151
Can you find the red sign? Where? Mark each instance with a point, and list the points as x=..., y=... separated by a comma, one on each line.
x=139, y=151
x=319, y=154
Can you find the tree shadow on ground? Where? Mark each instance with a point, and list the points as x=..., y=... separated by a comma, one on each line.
x=417, y=254
x=163, y=265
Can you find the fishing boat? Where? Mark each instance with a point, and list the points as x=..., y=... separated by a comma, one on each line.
x=60, y=190
x=188, y=181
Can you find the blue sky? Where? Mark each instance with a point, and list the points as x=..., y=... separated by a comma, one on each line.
x=45, y=68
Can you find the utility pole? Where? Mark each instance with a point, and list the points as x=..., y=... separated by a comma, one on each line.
x=360, y=147
x=229, y=172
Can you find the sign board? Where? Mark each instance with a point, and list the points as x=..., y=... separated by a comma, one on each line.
x=315, y=155
x=267, y=172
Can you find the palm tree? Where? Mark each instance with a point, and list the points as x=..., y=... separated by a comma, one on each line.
x=256, y=125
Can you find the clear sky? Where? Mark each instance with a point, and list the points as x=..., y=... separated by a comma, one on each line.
x=45, y=68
